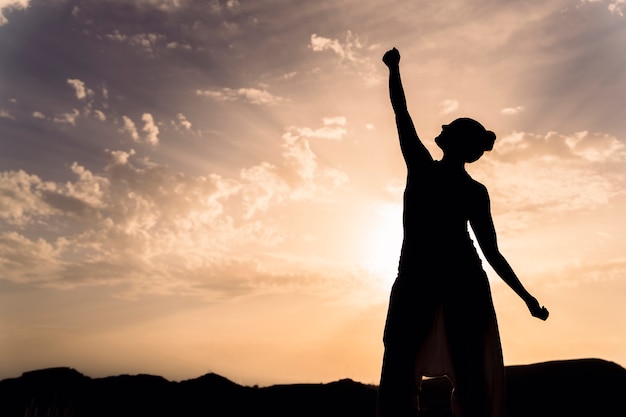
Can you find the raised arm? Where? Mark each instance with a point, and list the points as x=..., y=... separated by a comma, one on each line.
x=415, y=153
x=485, y=232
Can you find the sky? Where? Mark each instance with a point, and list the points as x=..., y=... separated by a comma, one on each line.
x=215, y=186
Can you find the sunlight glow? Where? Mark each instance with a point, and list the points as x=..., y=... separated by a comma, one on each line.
x=383, y=242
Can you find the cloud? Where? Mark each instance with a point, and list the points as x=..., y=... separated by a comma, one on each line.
x=67, y=118
x=27, y=260
x=178, y=45
x=232, y=4
x=263, y=187
x=79, y=88
x=38, y=115
x=337, y=120
x=257, y=96
x=116, y=36
x=150, y=128
x=351, y=54
x=617, y=7
x=87, y=96
x=5, y=114
x=163, y=5
x=541, y=189
x=577, y=271
x=21, y=197
x=334, y=129
x=129, y=127
x=613, y=6
x=299, y=177
x=148, y=42
x=182, y=122
x=320, y=43
x=586, y=146
x=250, y=95
x=100, y=115
x=302, y=161
x=449, y=106
x=552, y=174
x=509, y=111
x=153, y=229
x=218, y=7
x=598, y=147
x=142, y=206
x=289, y=75
x=8, y=5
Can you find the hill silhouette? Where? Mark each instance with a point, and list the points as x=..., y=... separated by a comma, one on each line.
x=584, y=387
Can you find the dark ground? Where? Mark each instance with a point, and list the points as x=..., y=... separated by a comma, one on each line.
x=572, y=388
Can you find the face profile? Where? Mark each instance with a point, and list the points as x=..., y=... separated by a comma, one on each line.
x=466, y=139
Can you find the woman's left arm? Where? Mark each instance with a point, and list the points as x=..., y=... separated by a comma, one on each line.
x=482, y=224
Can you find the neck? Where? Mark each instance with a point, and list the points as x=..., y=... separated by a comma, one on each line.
x=453, y=164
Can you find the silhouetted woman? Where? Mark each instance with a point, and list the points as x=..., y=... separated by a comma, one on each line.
x=441, y=319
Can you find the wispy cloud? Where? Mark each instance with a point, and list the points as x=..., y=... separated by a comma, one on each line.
x=116, y=36
x=352, y=53
x=584, y=146
x=334, y=129
x=142, y=222
x=150, y=42
x=250, y=95
x=218, y=7
x=449, y=106
x=5, y=114
x=163, y=5
x=552, y=173
x=178, y=45
x=336, y=120
x=616, y=7
x=146, y=41
x=510, y=111
x=67, y=118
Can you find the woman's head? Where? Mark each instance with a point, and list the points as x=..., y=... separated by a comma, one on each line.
x=466, y=139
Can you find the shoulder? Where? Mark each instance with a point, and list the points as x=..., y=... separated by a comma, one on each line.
x=474, y=185
x=478, y=187
x=478, y=192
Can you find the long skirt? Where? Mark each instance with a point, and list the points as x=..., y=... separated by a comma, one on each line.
x=442, y=324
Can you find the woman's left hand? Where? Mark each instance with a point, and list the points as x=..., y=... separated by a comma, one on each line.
x=537, y=310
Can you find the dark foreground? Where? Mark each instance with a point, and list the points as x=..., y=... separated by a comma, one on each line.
x=585, y=387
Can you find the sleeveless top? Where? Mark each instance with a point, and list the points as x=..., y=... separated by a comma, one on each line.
x=437, y=207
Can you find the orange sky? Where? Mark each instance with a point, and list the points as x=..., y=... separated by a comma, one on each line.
x=191, y=186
